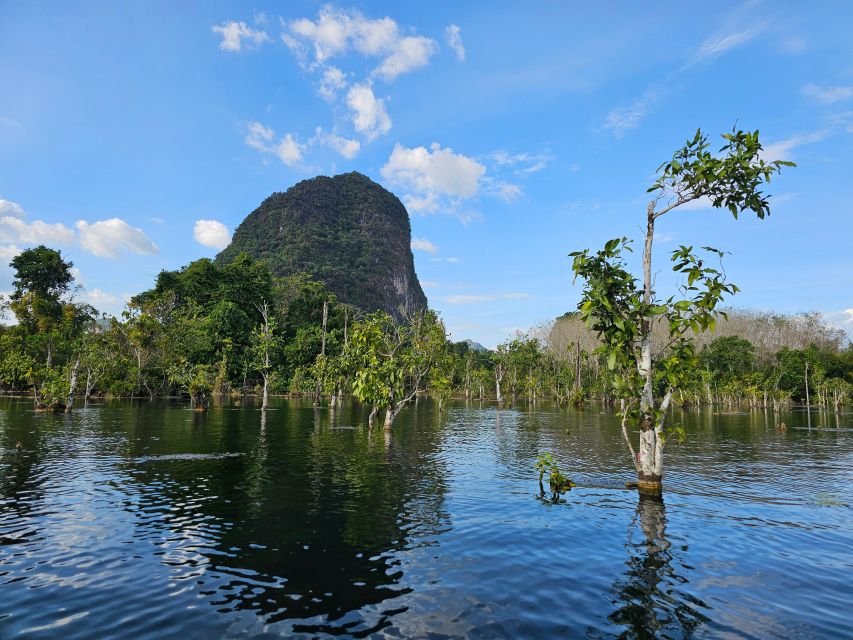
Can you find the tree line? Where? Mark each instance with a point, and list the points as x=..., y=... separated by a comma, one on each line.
x=210, y=330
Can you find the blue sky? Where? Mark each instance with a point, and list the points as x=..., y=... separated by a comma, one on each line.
x=135, y=136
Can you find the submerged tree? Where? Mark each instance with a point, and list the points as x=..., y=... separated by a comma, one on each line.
x=392, y=361
x=623, y=313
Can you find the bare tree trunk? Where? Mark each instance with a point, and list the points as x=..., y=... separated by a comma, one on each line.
x=88, y=391
x=390, y=415
x=70, y=401
x=265, y=315
x=372, y=417
x=322, y=350
x=578, y=366
x=499, y=374
x=808, y=401
x=650, y=462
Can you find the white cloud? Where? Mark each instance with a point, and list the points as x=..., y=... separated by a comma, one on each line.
x=840, y=319
x=488, y=297
x=368, y=112
x=422, y=244
x=211, y=233
x=507, y=191
x=288, y=149
x=7, y=252
x=453, y=260
x=722, y=42
x=411, y=52
x=432, y=175
x=333, y=81
x=9, y=123
x=625, y=118
x=234, y=34
x=783, y=150
x=346, y=147
x=15, y=229
x=454, y=40
x=429, y=284
x=827, y=95
x=259, y=137
x=108, y=238
x=8, y=208
x=523, y=163
x=96, y=296
x=338, y=31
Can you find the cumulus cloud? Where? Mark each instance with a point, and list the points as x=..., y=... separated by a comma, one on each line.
x=368, y=112
x=336, y=32
x=259, y=137
x=96, y=297
x=287, y=149
x=109, y=238
x=453, y=37
x=16, y=229
x=8, y=208
x=105, y=238
x=211, y=233
x=346, y=147
x=422, y=244
x=432, y=176
x=410, y=53
x=827, y=95
x=238, y=35
x=7, y=252
x=333, y=81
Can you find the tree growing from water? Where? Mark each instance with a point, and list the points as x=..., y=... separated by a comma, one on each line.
x=623, y=311
x=392, y=362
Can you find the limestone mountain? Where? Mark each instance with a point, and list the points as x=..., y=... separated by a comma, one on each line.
x=346, y=231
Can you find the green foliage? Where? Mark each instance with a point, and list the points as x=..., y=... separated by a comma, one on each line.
x=731, y=180
x=41, y=271
x=347, y=232
x=558, y=482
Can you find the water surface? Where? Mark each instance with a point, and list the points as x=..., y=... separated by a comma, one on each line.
x=151, y=521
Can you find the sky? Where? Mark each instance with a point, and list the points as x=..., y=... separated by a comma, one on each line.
x=136, y=136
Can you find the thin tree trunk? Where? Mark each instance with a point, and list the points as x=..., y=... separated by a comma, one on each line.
x=70, y=402
x=390, y=415
x=322, y=350
x=499, y=374
x=650, y=472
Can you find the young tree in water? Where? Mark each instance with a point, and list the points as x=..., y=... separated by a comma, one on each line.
x=264, y=343
x=392, y=362
x=622, y=312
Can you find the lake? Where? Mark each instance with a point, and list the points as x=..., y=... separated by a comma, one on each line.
x=147, y=520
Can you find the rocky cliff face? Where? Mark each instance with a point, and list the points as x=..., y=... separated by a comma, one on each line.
x=347, y=231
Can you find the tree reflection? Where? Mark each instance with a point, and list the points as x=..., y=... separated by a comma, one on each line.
x=649, y=605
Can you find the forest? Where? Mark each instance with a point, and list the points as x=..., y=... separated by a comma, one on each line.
x=208, y=330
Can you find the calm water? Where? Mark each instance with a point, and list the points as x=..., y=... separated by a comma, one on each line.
x=152, y=522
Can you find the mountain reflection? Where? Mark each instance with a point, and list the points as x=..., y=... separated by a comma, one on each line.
x=648, y=602
x=306, y=525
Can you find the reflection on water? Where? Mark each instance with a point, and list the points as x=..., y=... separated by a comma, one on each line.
x=649, y=604
x=157, y=522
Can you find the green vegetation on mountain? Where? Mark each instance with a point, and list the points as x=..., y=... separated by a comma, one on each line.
x=347, y=232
